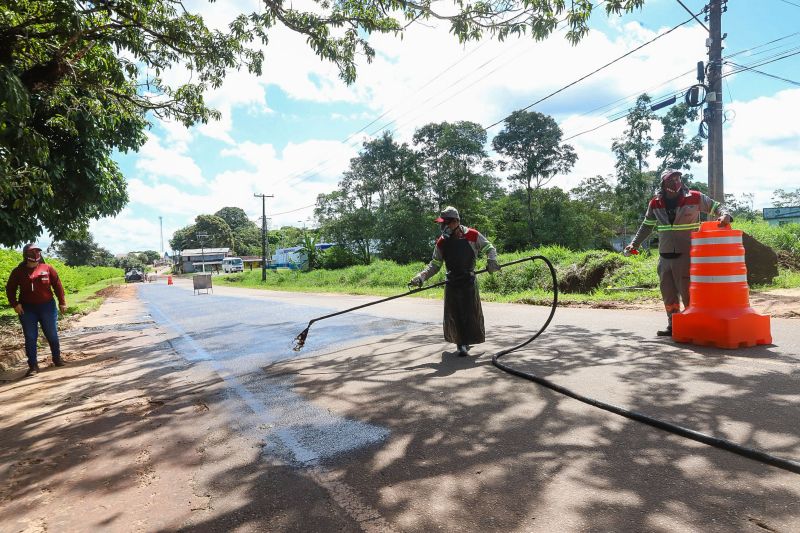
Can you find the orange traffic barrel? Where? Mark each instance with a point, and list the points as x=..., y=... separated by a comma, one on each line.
x=719, y=312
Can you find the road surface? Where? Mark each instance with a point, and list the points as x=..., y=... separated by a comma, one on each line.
x=403, y=435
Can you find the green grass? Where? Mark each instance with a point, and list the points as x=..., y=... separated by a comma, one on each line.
x=83, y=301
x=622, y=279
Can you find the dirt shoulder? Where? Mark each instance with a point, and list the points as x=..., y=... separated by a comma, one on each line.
x=128, y=436
x=778, y=303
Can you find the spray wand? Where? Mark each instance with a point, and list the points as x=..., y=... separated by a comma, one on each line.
x=300, y=340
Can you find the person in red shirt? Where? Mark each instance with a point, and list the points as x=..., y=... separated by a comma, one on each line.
x=36, y=281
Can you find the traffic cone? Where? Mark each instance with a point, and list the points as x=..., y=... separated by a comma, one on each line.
x=719, y=312
x=169, y=279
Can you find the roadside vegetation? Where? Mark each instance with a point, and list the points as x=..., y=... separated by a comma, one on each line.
x=584, y=276
x=81, y=284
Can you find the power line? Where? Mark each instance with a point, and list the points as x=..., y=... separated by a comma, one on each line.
x=693, y=15
x=565, y=87
x=741, y=69
x=790, y=3
x=764, y=73
x=293, y=210
x=304, y=175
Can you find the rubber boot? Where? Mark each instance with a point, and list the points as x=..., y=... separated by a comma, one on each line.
x=668, y=331
x=32, y=371
x=463, y=350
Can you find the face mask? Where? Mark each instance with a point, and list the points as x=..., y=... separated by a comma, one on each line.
x=446, y=230
x=673, y=185
x=35, y=255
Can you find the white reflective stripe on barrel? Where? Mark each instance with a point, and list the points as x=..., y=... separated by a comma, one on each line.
x=719, y=279
x=716, y=240
x=719, y=259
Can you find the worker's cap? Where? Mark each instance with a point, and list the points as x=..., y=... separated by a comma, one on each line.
x=28, y=247
x=448, y=213
x=670, y=172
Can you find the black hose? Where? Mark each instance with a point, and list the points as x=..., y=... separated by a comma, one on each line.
x=723, y=444
x=300, y=340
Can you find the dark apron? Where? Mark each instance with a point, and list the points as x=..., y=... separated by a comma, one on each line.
x=463, y=315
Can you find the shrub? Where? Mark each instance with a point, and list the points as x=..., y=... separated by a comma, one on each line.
x=72, y=278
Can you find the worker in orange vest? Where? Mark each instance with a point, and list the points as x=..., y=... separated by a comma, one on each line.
x=675, y=213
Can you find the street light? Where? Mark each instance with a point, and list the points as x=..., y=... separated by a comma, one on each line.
x=200, y=237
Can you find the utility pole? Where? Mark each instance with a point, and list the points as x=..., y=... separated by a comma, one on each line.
x=713, y=111
x=264, y=233
x=201, y=237
x=161, y=225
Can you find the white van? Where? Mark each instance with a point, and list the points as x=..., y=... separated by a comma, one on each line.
x=232, y=264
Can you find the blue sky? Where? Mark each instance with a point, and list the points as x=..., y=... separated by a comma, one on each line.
x=283, y=133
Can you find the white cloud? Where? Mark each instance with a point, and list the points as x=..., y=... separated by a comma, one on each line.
x=430, y=77
x=168, y=161
x=127, y=232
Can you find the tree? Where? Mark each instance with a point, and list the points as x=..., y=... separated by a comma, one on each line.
x=308, y=248
x=596, y=192
x=132, y=260
x=673, y=148
x=634, y=185
x=742, y=209
x=184, y=239
x=82, y=252
x=148, y=256
x=246, y=234
x=235, y=217
x=782, y=198
x=455, y=165
x=77, y=78
x=218, y=231
x=530, y=143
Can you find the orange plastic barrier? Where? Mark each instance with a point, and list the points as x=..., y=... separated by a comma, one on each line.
x=169, y=279
x=719, y=312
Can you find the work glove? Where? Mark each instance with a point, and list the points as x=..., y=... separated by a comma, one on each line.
x=492, y=266
x=630, y=250
x=724, y=220
x=416, y=281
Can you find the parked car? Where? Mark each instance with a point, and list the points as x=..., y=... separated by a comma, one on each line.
x=133, y=275
x=232, y=264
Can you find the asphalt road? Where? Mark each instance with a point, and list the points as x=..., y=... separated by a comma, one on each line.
x=404, y=435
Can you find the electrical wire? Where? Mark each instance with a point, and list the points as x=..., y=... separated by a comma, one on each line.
x=742, y=68
x=567, y=86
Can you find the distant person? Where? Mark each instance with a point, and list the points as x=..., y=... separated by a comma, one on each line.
x=458, y=247
x=675, y=213
x=36, y=281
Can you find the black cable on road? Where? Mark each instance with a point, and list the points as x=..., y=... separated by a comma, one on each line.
x=300, y=340
x=723, y=444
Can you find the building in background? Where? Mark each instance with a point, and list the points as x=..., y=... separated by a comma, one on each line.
x=192, y=260
x=780, y=216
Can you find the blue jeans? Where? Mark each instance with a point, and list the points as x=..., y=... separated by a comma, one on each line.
x=45, y=314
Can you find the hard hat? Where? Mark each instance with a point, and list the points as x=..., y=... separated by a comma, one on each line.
x=669, y=172
x=448, y=212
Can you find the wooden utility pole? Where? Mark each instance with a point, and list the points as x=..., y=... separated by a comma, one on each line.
x=714, y=112
x=264, y=242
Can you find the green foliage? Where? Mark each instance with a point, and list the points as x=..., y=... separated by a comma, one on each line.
x=674, y=149
x=309, y=249
x=783, y=198
x=742, y=210
x=77, y=80
x=455, y=166
x=132, y=260
x=530, y=144
x=72, y=278
x=784, y=238
x=337, y=257
x=83, y=251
